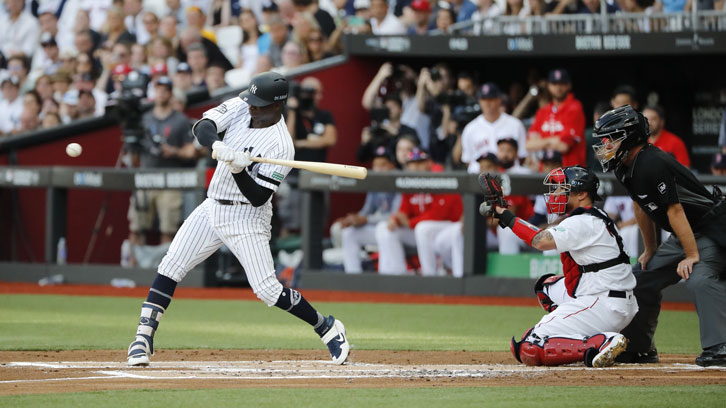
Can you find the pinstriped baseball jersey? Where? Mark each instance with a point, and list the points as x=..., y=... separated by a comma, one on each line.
x=274, y=142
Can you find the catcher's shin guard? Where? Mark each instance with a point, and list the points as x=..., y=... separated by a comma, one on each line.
x=553, y=351
x=143, y=345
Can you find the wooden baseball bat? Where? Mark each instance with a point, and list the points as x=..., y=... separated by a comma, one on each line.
x=342, y=170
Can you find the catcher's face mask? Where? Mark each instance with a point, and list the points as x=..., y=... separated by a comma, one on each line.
x=559, y=192
x=607, y=150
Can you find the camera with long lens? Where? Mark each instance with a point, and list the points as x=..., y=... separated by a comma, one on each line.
x=455, y=97
x=435, y=74
x=127, y=109
x=464, y=114
x=305, y=96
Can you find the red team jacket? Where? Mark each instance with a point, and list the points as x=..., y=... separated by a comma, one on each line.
x=566, y=122
x=670, y=143
x=435, y=207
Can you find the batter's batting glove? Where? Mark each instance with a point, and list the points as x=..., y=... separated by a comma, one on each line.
x=221, y=151
x=239, y=162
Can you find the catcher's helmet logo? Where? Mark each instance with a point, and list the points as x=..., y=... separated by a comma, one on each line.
x=253, y=89
x=662, y=188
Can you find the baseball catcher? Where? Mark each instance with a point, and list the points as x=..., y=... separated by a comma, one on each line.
x=588, y=305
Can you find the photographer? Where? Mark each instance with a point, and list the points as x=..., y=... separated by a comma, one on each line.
x=385, y=129
x=166, y=142
x=312, y=131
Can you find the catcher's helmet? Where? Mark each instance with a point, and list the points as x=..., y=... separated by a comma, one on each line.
x=265, y=88
x=561, y=181
x=619, y=130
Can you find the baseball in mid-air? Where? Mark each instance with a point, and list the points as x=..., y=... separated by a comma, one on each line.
x=74, y=149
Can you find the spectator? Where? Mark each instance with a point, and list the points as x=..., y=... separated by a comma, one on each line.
x=134, y=20
x=168, y=143
x=325, y=21
x=315, y=47
x=563, y=7
x=422, y=17
x=69, y=106
x=47, y=61
x=359, y=229
x=168, y=29
x=279, y=36
x=670, y=6
x=197, y=19
x=176, y=10
x=362, y=9
x=161, y=51
x=623, y=95
x=313, y=131
x=303, y=24
x=215, y=78
x=116, y=29
x=383, y=22
x=19, y=31
x=483, y=134
x=420, y=217
x=593, y=7
x=151, y=25
x=515, y=8
x=82, y=23
x=85, y=65
x=560, y=125
x=464, y=9
x=32, y=105
x=138, y=58
x=718, y=164
x=87, y=83
x=61, y=84
x=197, y=59
x=404, y=146
x=192, y=35
x=292, y=56
x=663, y=139
x=19, y=67
x=51, y=120
x=250, y=50
x=86, y=104
x=44, y=87
x=183, y=77
x=48, y=23
x=486, y=10
x=386, y=128
x=445, y=17
x=431, y=97
x=11, y=104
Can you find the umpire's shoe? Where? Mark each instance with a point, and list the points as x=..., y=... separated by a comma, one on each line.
x=713, y=356
x=336, y=340
x=632, y=357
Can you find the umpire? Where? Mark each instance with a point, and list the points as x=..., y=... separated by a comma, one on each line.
x=666, y=194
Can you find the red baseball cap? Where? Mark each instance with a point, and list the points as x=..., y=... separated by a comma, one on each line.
x=159, y=68
x=421, y=5
x=121, y=69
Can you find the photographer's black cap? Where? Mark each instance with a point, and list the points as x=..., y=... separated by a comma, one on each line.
x=265, y=89
x=489, y=90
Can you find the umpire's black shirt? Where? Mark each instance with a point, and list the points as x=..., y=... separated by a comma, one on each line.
x=656, y=180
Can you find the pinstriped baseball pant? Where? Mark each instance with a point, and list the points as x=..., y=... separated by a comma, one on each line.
x=244, y=229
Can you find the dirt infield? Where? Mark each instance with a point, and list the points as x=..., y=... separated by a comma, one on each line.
x=32, y=372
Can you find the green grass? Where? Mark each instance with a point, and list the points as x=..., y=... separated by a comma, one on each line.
x=43, y=322
x=562, y=397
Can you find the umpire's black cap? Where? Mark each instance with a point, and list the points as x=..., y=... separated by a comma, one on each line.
x=265, y=88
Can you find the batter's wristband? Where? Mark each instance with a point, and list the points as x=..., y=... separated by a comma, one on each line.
x=506, y=219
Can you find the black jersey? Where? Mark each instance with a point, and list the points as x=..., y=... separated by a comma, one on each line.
x=656, y=180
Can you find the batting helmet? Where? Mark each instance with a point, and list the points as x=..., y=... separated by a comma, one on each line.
x=265, y=88
x=562, y=181
x=619, y=130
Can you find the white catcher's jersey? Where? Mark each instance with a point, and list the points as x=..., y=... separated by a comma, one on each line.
x=588, y=241
x=272, y=142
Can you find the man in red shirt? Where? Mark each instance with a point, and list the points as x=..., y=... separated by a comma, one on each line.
x=560, y=125
x=663, y=139
x=418, y=220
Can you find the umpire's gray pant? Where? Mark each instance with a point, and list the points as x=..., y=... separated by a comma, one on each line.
x=706, y=283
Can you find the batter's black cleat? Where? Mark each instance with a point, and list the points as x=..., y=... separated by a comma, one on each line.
x=631, y=357
x=713, y=356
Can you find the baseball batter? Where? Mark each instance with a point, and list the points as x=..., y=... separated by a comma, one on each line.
x=593, y=301
x=237, y=213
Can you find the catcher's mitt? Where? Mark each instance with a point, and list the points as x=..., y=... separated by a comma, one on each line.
x=493, y=195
